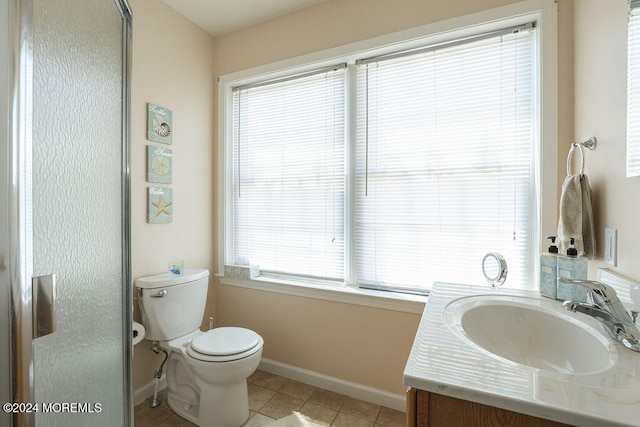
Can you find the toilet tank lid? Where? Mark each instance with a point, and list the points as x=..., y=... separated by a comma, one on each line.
x=167, y=279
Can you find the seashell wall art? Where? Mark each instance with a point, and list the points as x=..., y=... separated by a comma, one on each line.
x=159, y=205
x=159, y=124
x=159, y=164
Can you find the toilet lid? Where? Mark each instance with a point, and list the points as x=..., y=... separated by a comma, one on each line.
x=225, y=341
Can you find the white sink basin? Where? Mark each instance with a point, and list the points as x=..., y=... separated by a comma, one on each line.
x=532, y=332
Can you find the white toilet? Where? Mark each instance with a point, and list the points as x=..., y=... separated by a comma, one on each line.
x=206, y=371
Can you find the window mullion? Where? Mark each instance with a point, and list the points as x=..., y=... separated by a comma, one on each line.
x=351, y=120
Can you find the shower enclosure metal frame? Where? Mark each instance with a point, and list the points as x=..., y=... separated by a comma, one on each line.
x=15, y=247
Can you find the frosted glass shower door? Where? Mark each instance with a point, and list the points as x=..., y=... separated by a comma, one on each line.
x=79, y=210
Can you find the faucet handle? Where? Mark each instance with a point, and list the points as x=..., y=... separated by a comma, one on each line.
x=600, y=292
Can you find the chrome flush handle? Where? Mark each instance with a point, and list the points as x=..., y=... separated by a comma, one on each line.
x=160, y=294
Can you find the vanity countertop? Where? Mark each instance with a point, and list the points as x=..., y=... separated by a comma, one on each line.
x=444, y=363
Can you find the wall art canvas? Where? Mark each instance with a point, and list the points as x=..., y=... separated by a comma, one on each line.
x=159, y=124
x=159, y=164
x=159, y=205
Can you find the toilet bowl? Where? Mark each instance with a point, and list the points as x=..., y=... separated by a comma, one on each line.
x=207, y=371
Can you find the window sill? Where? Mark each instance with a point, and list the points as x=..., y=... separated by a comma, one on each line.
x=345, y=294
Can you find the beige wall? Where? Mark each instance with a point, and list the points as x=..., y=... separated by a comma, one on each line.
x=600, y=34
x=172, y=67
x=362, y=344
x=333, y=23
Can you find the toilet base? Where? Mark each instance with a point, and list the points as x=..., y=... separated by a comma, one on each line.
x=226, y=406
x=196, y=397
x=183, y=408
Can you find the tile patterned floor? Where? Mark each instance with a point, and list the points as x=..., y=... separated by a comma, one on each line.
x=272, y=397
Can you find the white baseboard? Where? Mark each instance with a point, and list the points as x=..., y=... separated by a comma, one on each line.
x=146, y=391
x=355, y=390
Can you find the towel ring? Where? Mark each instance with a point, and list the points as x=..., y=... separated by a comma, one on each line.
x=573, y=147
x=591, y=144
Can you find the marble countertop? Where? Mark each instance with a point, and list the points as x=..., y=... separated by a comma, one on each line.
x=443, y=362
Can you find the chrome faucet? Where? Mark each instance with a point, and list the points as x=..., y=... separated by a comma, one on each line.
x=605, y=306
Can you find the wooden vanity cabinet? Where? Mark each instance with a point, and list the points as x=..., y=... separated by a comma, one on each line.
x=425, y=409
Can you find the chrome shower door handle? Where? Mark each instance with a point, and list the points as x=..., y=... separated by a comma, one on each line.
x=160, y=294
x=43, y=311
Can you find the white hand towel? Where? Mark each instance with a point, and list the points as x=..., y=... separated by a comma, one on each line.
x=576, y=216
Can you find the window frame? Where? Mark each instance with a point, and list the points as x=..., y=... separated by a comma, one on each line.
x=543, y=12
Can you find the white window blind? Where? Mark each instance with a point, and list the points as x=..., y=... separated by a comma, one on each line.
x=289, y=175
x=444, y=169
x=633, y=91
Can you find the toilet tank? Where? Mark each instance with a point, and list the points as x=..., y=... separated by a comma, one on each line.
x=172, y=306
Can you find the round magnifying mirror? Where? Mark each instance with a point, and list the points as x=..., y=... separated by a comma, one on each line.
x=494, y=267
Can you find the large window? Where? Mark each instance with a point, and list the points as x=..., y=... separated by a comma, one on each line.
x=393, y=171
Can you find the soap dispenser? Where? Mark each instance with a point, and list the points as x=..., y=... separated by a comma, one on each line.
x=574, y=267
x=549, y=271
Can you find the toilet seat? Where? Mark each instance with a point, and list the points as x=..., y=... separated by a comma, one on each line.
x=224, y=344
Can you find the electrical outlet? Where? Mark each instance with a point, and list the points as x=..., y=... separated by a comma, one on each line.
x=611, y=246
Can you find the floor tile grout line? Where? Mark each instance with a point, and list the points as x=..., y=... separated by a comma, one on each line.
x=379, y=407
